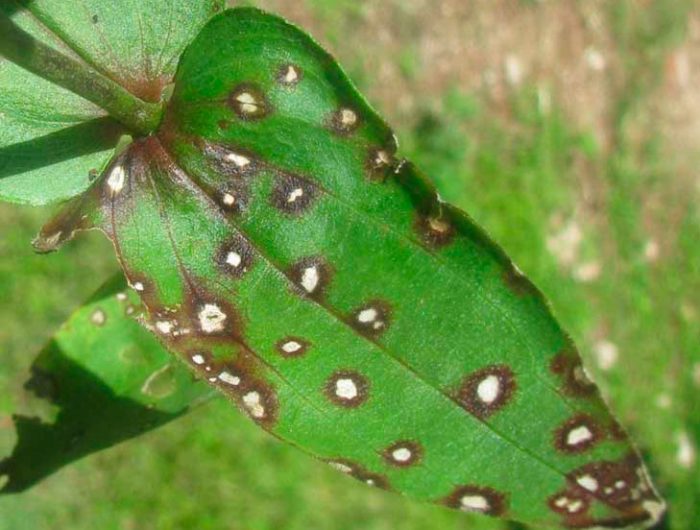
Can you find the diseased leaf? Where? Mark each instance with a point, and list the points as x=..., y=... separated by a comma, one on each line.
x=52, y=142
x=108, y=379
x=282, y=250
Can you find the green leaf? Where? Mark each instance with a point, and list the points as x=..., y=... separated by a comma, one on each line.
x=103, y=379
x=135, y=43
x=279, y=245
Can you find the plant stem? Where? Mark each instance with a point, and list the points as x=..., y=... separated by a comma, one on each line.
x=31, y=54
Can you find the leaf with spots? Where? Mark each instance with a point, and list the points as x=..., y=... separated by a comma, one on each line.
x=286, y=254
x=101, y=380
x=45, y=130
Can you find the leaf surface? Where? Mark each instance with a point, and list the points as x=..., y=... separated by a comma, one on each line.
x=105, y=380
x=52, y=142
x=279, y=244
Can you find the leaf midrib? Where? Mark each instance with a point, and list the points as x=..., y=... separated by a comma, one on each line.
x=442, y=395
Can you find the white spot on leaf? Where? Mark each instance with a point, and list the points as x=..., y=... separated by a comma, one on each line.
x=346, y=388
x=474, y=503
x=578, y=435
x=253, y=404
x=116, y=179
x=489, y=389
x=211, y=318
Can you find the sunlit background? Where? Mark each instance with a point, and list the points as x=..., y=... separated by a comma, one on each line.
x=569, y=129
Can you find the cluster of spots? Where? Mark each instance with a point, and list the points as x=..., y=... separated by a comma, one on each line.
x=372, y=319
x=289, y=75
x=292, y=347
x=623, y=485
x=98, y=317
x=238, y=165
x=347, y=388
x=434, y=231
x=360, y=473
x=578, y=434
x=249, y=102
x=477, y=499
x=256, y=398
x=311, y=275
x=167, y=324
x=235, y=257
x=575, y=381
x=404, y=453
x=486, y=391
x=344, y=121
x=292, y=194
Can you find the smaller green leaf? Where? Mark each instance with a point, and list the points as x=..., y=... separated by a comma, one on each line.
x=106, y=379
x=53, y=141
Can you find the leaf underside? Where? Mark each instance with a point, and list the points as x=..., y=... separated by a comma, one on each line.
x=108, y=379
x=285, y=254
x=46, y=131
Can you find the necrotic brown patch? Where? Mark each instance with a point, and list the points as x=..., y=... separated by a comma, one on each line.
x=479, y=499
x=434, y=231
x=487, y=391
x=235, y=257
x=347, y=388
x=359, y=472
x=567, y=365
x=577, y=434
x=289, y=75
x=292, y=347
x=344, y=121
x=517, y=282
x=259, y=401
x=371, y=319
x=403, y=453
x=380, y=163
x=229, y=161
x=311, y=276
x=292, y=194
x=249, y=103
x=569, y=503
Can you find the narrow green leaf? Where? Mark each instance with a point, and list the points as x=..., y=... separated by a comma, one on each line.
x=106, y=380
x=134, y=43
x=283, y=250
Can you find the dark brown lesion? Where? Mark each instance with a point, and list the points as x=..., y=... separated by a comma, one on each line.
x=469, y=397
x=347, y=388
x=371, y=319
x=228, y=160
x=620, y=484
x=568, y=367
x=517, y=282
x=293, y=195
x=289, y=75
x=571, y=504
x=344, y=121
x=403, y=453
x=478, y=499
x=359, y=472
x=380, y=163
x=235, y=257
x=435, y=230
x=311, y=276
x=249, y=102
x=578, y=434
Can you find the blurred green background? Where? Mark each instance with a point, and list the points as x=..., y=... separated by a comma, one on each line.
x=569, y=129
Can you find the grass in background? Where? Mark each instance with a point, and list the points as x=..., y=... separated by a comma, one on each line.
x=609, y=233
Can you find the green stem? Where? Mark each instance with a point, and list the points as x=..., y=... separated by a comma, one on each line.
x=29, y=53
